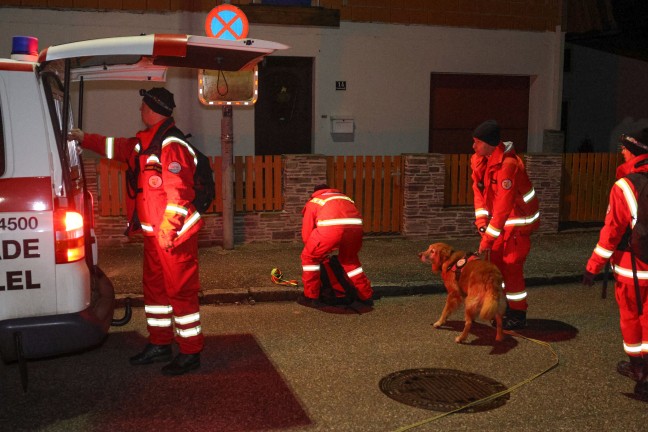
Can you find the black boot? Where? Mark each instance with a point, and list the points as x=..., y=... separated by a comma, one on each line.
x=514, y=320
x=633, y=369
x=369, y=302
x=309, y=302
x=152, y=353
x=182, y=364
x=641, y=388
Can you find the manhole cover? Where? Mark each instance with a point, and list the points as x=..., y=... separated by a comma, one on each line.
x=442, y=389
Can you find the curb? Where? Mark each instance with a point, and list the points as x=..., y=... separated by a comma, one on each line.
x=283, y=293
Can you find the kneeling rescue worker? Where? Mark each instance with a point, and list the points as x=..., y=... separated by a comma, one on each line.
x=630, y=272
x=331, y=221
x=163, y=211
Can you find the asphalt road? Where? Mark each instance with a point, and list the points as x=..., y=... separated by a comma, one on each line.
x=278, y=366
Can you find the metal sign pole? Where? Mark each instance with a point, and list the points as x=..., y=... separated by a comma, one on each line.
x=227, y=141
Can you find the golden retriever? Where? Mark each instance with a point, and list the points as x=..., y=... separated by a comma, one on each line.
x=478, y=281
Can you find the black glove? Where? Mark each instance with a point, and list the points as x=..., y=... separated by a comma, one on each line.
x=588, y=278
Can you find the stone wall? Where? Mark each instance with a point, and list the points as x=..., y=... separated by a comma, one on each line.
x=424, y=215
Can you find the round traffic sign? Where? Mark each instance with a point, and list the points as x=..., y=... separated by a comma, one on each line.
x=226, y=22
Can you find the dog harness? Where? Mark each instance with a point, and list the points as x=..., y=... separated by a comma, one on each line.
x=461, y=262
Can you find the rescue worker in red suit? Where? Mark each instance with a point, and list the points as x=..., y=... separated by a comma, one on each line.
x=164, y=214
x=331, y=222
x=612, y=245
x=506, y=213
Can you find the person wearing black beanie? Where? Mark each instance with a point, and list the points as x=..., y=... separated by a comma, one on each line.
x=506, y=213
x=161, y=167
x=159, y=99
x=488, y=132
x=636, y=142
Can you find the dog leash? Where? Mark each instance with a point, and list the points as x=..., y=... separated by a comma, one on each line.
x=494, y=395
x=277, y=278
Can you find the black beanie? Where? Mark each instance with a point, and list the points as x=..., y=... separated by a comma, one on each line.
x=159, y=99
x=320, y=187
x=489, y=132
x=636, y=142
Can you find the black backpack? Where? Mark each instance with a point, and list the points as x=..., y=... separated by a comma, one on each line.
x=204, y=186
x=335, y=289
x=636, y=239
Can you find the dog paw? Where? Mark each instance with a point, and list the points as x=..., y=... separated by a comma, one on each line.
x=459, y=339
x=438, y=324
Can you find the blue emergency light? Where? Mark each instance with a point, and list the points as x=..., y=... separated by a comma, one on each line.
x=24, y=45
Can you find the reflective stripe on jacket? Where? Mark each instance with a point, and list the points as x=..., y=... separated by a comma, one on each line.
x=329, y=208
x=503, y=193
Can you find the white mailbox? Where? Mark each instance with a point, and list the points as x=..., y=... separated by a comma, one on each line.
x=342, y=124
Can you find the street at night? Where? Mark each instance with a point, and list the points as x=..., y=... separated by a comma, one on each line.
x=279, y=366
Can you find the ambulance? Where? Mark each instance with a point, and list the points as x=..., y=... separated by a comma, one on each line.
x=54, y=299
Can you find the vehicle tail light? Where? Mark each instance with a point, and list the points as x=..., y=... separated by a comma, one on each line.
x=68, y=228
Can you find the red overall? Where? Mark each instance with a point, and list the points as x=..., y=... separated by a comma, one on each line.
x=620, y=213
x=506, y=212
x=331, y=221
x=163, y=202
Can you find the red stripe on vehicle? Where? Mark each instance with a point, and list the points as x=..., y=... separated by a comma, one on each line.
x=24, y=194
x=17, y=67
x=170, y=45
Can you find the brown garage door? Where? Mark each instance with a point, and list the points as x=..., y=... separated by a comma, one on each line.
x=460, y=102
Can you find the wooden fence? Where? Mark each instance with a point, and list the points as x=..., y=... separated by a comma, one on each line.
x=458, y=183
x=374, y=183
x=257, y=185
x=586, y=183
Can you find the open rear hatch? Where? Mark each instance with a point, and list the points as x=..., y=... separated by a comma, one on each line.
x=147, y=57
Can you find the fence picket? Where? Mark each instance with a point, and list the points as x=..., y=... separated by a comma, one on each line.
x=387, y=194
x=217, y=166
x=575, y=177
x=357, y=182
x=239, y=183
x=257, y=185
x=277, y=203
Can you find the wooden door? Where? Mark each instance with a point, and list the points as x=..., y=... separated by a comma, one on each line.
x=283, y=119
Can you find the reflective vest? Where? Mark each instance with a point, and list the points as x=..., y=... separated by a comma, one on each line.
x=329, y=208
x=165, y=183
x=503, y=193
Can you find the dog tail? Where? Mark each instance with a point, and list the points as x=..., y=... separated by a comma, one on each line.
x=489, y=308
x=492, y=300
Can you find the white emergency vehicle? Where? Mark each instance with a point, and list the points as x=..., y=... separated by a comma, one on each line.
x=53, y=297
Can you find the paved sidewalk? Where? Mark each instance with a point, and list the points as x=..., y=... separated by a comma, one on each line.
x=391, y=263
